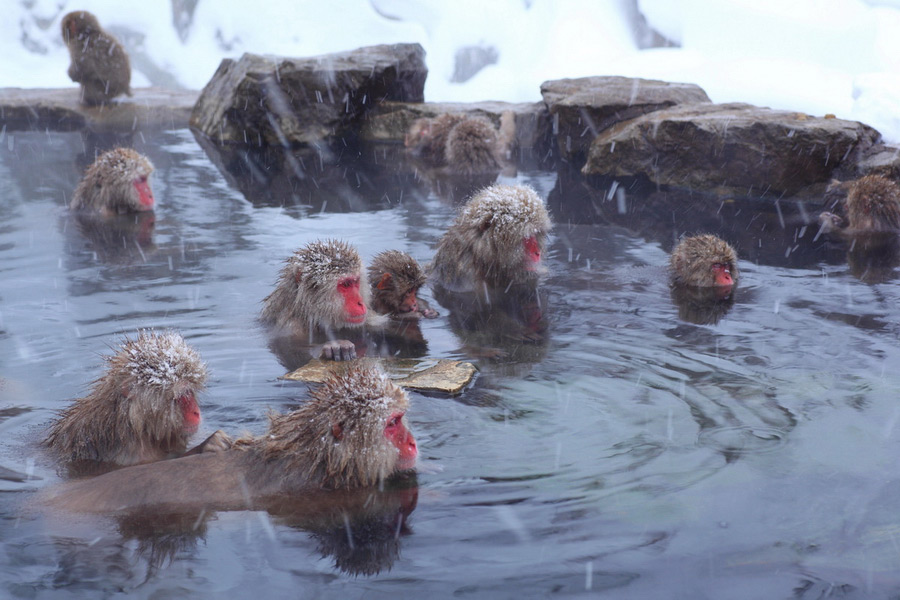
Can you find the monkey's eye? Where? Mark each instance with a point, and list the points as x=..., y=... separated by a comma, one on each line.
x=395, y=419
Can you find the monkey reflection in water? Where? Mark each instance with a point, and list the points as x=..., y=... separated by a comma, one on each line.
x=331, y=466
x=703, y=271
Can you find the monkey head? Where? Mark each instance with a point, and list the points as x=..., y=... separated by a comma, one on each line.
x=322, y=285
x=160, y=376
x=704, y=261
x=79, y=25
x=873, y=204
x=396, y=278
x=508, y=227
x=351, y=433
x=116, y=182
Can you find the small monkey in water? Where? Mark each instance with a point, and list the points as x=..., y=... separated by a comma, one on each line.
x=704, y=261
x=117, y=182
x=396, y=279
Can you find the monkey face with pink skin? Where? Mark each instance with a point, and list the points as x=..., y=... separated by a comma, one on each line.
x=117, y=182
x=498, y=239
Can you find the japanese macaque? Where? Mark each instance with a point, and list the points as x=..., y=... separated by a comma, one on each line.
x=497, y=240
x=351, y=433
x=143, y=409
x=464, y=145
x=116, y=183
x=396, y=279
x=322, y=290
x=427, y=137
x=872, y=206
x=99, y=62
x=704, y=261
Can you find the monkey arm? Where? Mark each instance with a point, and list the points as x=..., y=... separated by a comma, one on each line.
x=217, y=442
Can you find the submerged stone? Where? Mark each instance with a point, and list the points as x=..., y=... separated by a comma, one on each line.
x=423, y=375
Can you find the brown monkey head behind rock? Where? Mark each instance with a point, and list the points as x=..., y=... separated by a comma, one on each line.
x=117, y=182
x=99, y=62
x=351, y=433
x=396, y=278
x=704, y=261
x=873, y=205
x=498, y=239
x=427, y=137
x=472, y=147
x=143, y=408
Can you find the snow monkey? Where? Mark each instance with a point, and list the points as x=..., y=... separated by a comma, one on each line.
x=99, y=62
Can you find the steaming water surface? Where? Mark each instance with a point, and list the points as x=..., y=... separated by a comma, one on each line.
x=630, y=454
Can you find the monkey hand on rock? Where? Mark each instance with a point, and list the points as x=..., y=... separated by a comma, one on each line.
x=338, y=350
x=219, y=441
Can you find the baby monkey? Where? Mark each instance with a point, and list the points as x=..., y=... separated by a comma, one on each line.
x=396, y=278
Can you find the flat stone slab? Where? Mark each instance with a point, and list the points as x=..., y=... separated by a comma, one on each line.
x=423, y=375
x=60, y=109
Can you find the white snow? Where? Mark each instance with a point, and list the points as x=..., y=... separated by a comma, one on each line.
x=814, y=56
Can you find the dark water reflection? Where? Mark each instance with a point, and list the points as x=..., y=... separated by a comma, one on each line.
x=624, y=451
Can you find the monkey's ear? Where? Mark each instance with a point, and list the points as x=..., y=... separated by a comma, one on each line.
x=385, y=282
x=337, y=430
x=297, y=274
x=485, y=224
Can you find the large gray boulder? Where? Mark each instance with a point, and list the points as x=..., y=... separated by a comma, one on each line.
x=582, y=108
x=305, y=101
x=740, y=148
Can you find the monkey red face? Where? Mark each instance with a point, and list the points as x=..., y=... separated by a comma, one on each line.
x=190, y=411
x=145, y=194
x=403, y=441
x=532, y=253
x=354, y=307
x=722, y=274
x=409, y=302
